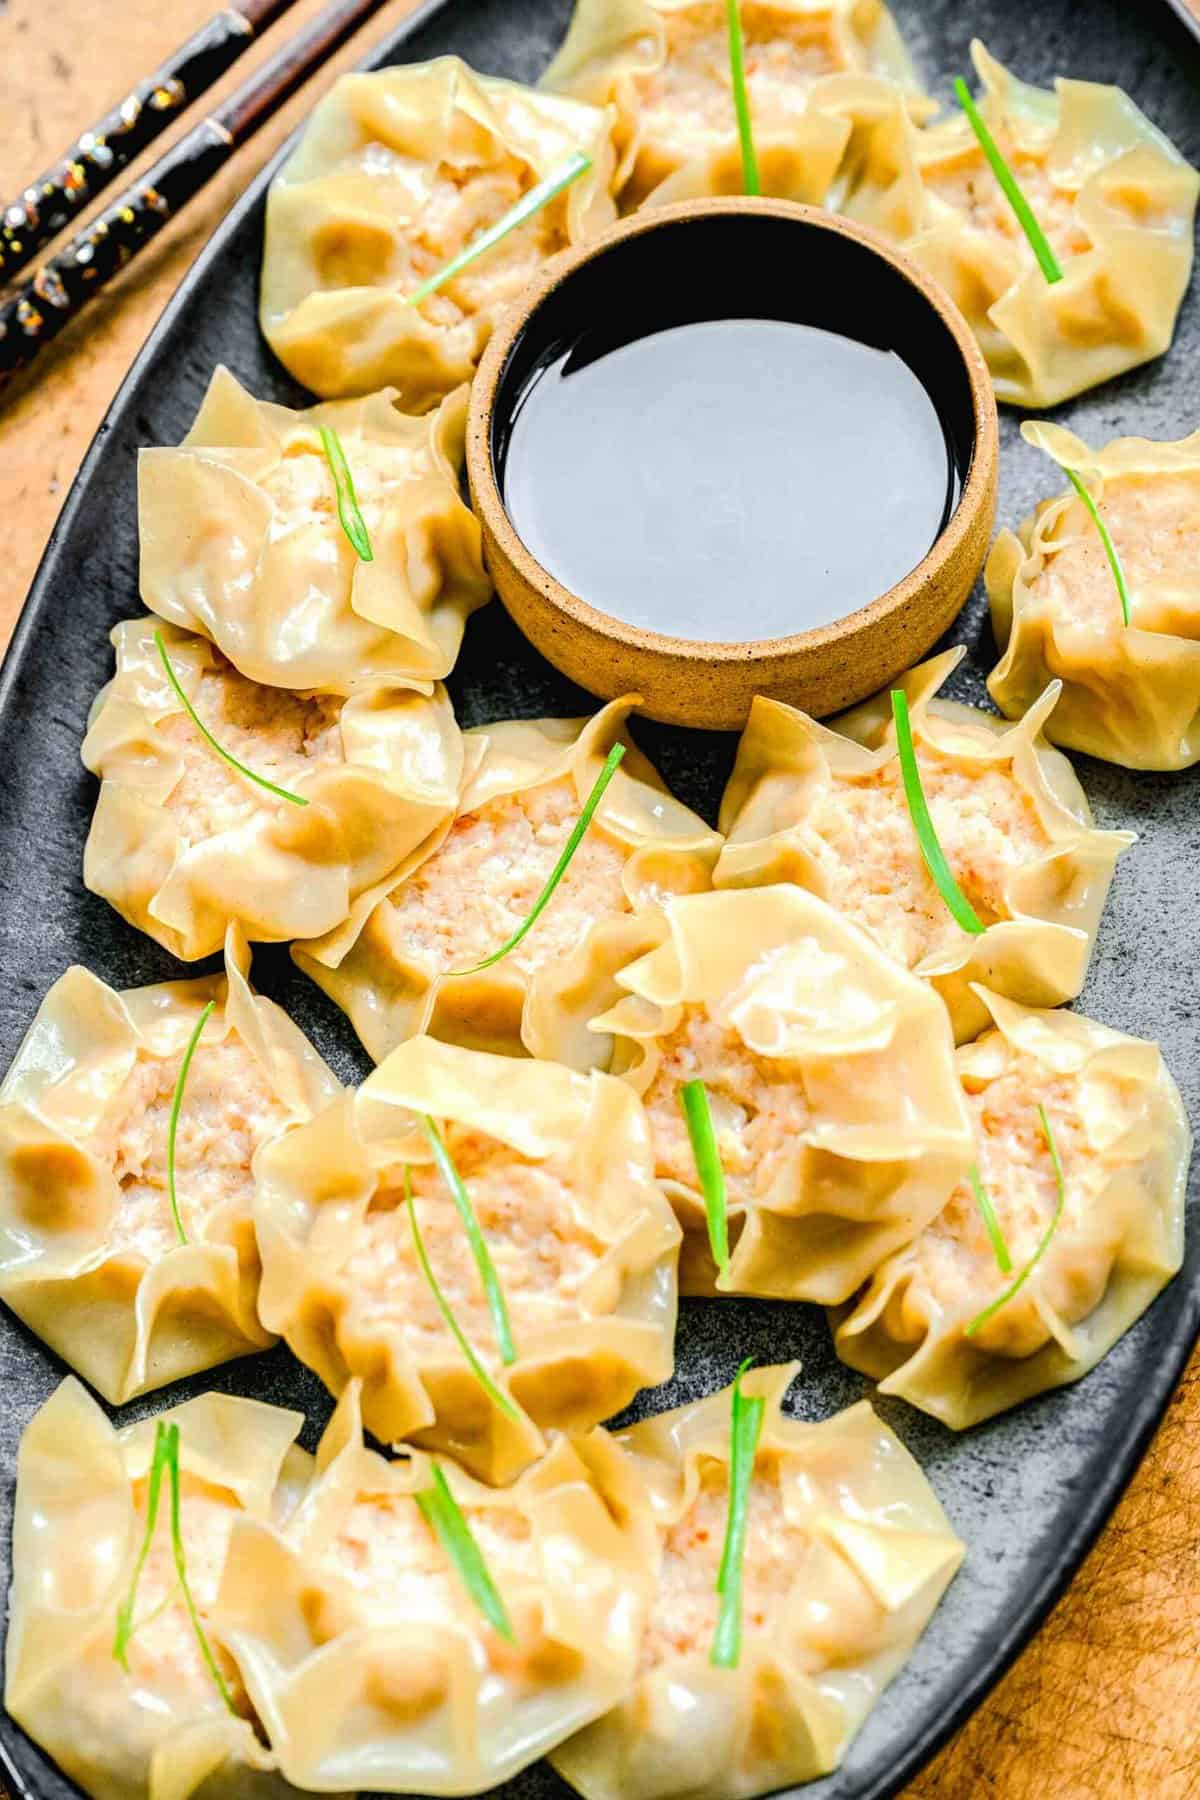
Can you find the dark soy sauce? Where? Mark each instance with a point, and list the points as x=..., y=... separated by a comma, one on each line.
x=693, y=465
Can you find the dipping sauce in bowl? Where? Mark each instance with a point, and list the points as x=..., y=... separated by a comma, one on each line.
x=736, y=447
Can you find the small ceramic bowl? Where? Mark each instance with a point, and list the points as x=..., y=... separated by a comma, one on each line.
x=822, y=670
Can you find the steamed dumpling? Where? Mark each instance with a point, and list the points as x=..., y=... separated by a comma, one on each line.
x=527, y=781
x=241, y=540
x=396, y=173
x=847, y=1554
x=1130, y=694
x=183, y=845
x=559, y=1170
x=1123, y=1137
x=826, y=808
x=1114, y=197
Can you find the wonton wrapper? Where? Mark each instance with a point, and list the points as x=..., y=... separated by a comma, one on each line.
x=120, y=1299
x=381, y=772
x=241, y=540
x=1112, y=194
x=1124, y=1140
x=863, y=1554
x=1041, y=913
x=366, y=1658
x=641, y=841
x=396, y=173
x=1130, y=695
x=879, y=1136
x=814, y=73
x=162, y=1730
x=349, y=1297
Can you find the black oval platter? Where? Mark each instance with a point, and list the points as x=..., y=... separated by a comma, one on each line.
x=1029, y=1491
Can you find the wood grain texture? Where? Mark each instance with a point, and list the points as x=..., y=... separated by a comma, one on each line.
x=1105, y=1704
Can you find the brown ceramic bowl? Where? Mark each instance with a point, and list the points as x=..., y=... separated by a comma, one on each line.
x=706, y=684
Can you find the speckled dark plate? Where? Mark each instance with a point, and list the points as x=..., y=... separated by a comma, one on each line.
x=1028, y=1492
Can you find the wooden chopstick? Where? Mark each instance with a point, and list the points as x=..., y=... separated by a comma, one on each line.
x=64, y=284
x=98, y=156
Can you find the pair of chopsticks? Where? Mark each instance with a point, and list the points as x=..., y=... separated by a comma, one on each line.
x=62, y=286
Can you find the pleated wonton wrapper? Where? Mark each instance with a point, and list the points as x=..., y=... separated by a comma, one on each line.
x=827, y=809
x=1122, y=1134
x=847, y=1554
x=89, y=1255
x=1130, y=694
x=829, y=1072
x=241, y=540
x=559, y=1171
x=396, y=173
x=527, y=781
x=813, y=73
x=162, y=1730
x=1111, y=193
x=366, y=1657
x=182, y=844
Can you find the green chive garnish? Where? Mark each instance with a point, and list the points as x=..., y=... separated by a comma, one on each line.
x=556, y=874
x=989, y=1312
x=988, y=1214
x=1110, y=549
x=1038, y=241
x=446, y=1520
x=206, y=734
x=693, y=1098
x=927, y=839
x=481, y=1375
x=741, y=99
x=173, y=1125
x=166, y=1457
x=745, y=1428
x=525, y=208
x=476, y=1239
x=352, y=521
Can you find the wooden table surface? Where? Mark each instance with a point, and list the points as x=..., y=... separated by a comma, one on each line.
x=1106, y=1701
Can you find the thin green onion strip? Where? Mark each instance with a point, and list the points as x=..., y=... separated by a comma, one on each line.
x=481, y=1375
x=479, y=1250
x=556, y=874
x=351, y=519
x=1026, y=218
x=989, y=1312
x=693, y=1098
x=987, y=1212
x=125, y=1625
x=206, y=1649
x=1110, y=549
x=751, y=181
x=525, y=208
x=447, y=1521
x=745, y=1429
x=279, y=792
x=927, y=839
x=173, y=1124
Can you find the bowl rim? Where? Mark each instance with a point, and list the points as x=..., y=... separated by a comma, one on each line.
x=489, y=502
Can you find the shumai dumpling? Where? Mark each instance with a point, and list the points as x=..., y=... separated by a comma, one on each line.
x=183, y=844
x=162, y=1730
x=90, y=1257
x=812, y=73
x=1112, y=194
x=559, y=1171
x=829, y=1072
x=847, y=1554
x=526, y=784
x=366, y=1657
x=827, y=809
x=1130, y=694
x=1119, y=1127
x=241, y=540
x=396, y=173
